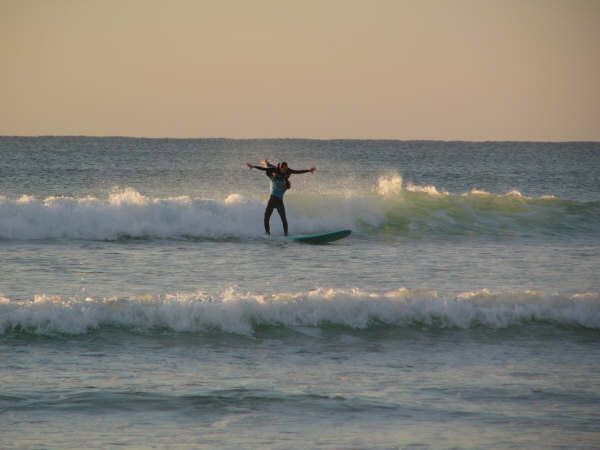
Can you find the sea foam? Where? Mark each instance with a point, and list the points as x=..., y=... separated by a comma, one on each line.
x=233, y=311
x=392, y=207
x=130, y=214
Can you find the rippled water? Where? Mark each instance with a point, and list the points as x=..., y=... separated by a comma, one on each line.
x=142, y=305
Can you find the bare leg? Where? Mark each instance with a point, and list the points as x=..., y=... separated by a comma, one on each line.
x=281, y=211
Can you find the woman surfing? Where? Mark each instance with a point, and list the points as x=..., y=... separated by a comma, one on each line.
x=279, y=176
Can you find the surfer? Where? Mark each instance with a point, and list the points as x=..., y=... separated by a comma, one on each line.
x=279, y=176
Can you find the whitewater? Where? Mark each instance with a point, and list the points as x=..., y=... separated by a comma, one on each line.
x=141, y=299
x=244, y=313
x=398, y=209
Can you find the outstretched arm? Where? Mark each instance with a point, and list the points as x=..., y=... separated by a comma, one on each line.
x=311, y=170
x=252, y=166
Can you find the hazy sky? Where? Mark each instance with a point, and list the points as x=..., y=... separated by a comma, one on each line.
x=472, y=70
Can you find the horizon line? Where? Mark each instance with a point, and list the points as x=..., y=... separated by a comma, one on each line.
x=221, y=138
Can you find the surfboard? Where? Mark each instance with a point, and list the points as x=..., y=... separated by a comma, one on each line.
x=320, y=238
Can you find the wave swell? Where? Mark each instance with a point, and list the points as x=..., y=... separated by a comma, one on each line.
x=392, y=208
x=244, y=313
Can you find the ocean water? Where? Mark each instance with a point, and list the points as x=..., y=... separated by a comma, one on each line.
x=141, y=304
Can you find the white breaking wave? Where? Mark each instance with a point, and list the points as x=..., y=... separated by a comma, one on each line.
x=238, y=312
x=128, y=213
x=400, y=207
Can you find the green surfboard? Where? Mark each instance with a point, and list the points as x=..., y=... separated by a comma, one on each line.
x=320, y=238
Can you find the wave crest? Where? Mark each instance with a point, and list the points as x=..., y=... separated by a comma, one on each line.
x=393, y=208
x=237, y=312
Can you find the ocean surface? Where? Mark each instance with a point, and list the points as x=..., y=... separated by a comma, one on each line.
x=142, y=305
